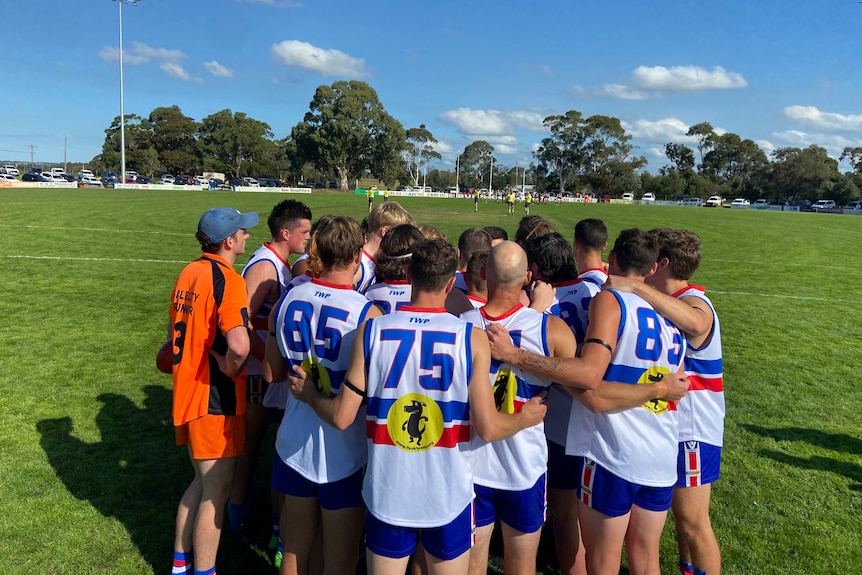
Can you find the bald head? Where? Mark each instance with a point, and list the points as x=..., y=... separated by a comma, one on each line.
x=507, y=265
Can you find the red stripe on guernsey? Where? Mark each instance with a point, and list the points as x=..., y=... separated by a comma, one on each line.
x=489, y=317
x=319, y=281
x=268, y=246
x=378, y=433
x=424, y=309
x=395, y=282
x=369, y=256
x=686, y=288
x=700, y=383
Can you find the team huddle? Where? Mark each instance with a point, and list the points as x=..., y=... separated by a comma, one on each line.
x=424, y=394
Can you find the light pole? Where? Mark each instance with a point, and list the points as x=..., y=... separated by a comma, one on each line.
x=122, y=175
x=457, y=174
x=491, y=177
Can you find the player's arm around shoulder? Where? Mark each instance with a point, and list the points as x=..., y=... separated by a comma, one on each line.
x=339, y=411
x=488, y=423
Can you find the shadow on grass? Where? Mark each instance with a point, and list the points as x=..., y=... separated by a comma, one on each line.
x=137, y=475
x=833, y=441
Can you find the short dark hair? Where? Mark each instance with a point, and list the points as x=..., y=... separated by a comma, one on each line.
x=207, y=246
x=530, y=227
x=635, y=251
x=287, y=214
x=496, y=233
x=681, y=248
x=553, y=255
x=336, y=242
x=473, y=273
x=473, y=240
x=591, y=233
x=434, y=263
x=395, y=253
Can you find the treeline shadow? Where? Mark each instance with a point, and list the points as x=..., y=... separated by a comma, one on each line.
x=840, y=442
x=137, y=475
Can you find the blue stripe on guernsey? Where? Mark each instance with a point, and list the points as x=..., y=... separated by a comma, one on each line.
x=623, y=373
x=622, y=316
x=452, y=410
x=366, y=348
x=468, y=353
x=364, y=312
x=545, y=335
x=703, y=366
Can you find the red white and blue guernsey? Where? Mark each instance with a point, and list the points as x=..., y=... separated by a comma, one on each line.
x=476, y=302
x=367, y=271
x=701, y=411
x=573, y=307
x=638, y=445
x=390, y=295
x=418, y=365
x=460, y=282
x=516, y=463
x=315, y=325
x=266, y=255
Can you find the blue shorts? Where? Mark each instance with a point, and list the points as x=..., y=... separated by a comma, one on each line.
x=444, y=543
x=613, y=496
x=524, y=510
x=339, y=494
x=562, y=468
x=697, y=463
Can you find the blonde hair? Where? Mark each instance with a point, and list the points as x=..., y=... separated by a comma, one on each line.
x=388, y=215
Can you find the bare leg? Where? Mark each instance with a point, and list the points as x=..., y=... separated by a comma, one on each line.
x=187, y=512
x=255, y=429
x=697, y=543
x=603, y=540
x=216, y=478
x=300, y=520
x=567, y=536
x=342, y=531
x=479, y=552
x=642, y=541
x=457, y=566
x=380, y=565
x=519, y=551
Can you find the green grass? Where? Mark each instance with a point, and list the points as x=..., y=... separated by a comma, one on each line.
x=90, y=478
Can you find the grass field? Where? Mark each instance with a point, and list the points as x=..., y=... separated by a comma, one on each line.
x=90, y=478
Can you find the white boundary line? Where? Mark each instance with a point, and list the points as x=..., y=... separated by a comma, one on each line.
x=785, y=296
x=62, y=228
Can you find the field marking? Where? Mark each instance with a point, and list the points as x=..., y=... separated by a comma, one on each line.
x=66, y=258
x=61, y=228
x=780, y=263
x=785, y=296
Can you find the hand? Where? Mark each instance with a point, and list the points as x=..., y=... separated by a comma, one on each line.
x=301, y=386
x=541, y=295
x=533, y=412
x=677, y=386
x=502, y=348
x=622, y=284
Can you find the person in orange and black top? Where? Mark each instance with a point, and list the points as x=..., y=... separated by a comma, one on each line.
x=210, y=332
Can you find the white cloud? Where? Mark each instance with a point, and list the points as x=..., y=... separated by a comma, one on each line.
x=324, y=62
x=218, y=70
x=441, y=147
x=548, y=71
x=505, y=150
x=765, y=145
x=141, y=53
x=660, y=131
x=609, y=91
x=825, y=121
x=686, y=78
x=491, y=124
x=657, y=153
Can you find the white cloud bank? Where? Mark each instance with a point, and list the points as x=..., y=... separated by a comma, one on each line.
x=824, y=121
x=649, y=81
x=493, y=122
x=325, y=62
x=141, y=53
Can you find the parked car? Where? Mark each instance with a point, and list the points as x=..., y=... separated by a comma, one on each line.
x=694, y=202
x=740, y=203
x=627, y=196
x=34, y=177
x=51, y=177
x=823, y=205
x=8, y=178
x=91, y=181
x=11, y=170
x=58, y=172
x=680, y=199
x=144, y=179
x=761, y=202
x=34, y=170
x=714, y=202
x=201, y=181
x=854, y=205
x=251, y=182
x=85, y=174
x=648, y=198
x=167, y=179
x=184, y=181
x=69, y=177
x=131, y=175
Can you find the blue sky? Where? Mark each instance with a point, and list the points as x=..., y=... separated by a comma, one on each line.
x=782, y=73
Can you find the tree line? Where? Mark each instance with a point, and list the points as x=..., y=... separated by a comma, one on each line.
x=347, y=135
